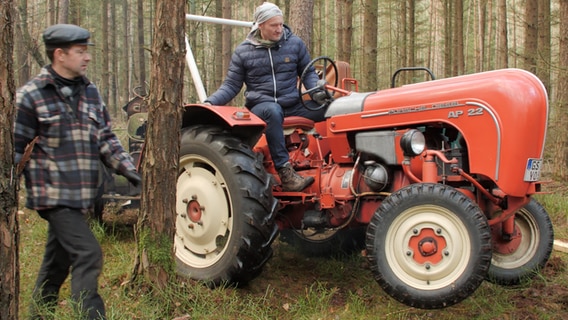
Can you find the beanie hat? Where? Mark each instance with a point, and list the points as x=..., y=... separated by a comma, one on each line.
x=265, y=12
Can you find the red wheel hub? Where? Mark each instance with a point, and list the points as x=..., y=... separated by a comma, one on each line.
x=194, y=211
x=503, y=245
x=428, y=246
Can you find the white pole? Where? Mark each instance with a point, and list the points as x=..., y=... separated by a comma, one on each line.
x=228, y=22
x=189, y=54
x=194, y=72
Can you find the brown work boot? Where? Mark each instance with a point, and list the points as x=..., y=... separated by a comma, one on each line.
x=291, y=181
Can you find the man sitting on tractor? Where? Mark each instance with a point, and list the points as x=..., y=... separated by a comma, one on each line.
x=269, y=62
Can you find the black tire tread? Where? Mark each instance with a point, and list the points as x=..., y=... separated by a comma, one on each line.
x=437, y=298
x=257, y=210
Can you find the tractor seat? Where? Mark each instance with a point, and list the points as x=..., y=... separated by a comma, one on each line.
x=298, y=122
x=294, y=122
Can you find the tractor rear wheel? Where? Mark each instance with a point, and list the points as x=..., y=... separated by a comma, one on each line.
x=528, y=250
x=224, y=209
x=429, y=246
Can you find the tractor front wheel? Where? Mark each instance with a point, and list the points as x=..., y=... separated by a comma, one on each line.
x=429, y=246
x=225, y=210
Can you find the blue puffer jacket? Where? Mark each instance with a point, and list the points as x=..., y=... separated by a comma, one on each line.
x=270, y=74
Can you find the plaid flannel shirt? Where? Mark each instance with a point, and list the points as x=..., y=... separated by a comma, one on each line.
x=63, y=169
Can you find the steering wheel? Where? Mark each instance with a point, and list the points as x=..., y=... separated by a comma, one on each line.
x=321, y=84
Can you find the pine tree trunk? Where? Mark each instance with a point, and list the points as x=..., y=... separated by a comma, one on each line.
x=141, y=56
x=560, y=143
x=369, y=80
x=531, y=35
x=9, y=233
x=503, y=40
x=301, y=20
x=156, y=221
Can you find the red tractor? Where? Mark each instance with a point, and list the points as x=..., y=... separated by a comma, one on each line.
x=440, y=176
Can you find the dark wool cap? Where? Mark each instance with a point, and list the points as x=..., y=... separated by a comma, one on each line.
x=64, y=35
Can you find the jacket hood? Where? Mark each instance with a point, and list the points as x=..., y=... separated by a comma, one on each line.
x=286, y=34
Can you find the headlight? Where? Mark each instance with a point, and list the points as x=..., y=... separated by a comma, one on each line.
x=413, y=142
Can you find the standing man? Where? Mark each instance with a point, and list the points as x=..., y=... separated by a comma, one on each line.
x=64, y=110
x=269, y=62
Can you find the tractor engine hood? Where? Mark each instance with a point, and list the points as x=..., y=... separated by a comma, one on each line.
x=501, y=114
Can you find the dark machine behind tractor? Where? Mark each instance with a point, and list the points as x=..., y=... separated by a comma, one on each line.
x=435, y=179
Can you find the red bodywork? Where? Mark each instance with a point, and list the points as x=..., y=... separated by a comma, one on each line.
x=497, y=118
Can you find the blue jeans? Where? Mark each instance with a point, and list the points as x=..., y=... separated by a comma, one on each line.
x=70, y=246
x=273, y=114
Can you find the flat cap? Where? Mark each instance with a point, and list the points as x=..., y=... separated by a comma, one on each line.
x=65, y=34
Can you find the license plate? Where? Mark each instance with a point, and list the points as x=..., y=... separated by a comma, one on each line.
x=532, y=171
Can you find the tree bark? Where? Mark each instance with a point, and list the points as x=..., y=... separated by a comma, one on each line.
x=227, y=39
x=21, y=55
x=141, y=55
x=218, y=45
x=156, y=221
x=412, y=33
x=369, y=81
x=459, y=60
x=543, y=44
x=503, y=39
x=63, y=14
x=9, y=228
x=104, y=86
x=32, y=46
x=481, y=27
x=125, y=48
x=531, y=35
x=448, y=37
x=113, y=55
x=301, y=20
x=560, y=145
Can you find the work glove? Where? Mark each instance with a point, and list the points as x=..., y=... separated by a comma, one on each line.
x=133, y=177
x=320, y=97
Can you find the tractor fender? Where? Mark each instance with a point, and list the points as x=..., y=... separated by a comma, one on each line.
x=238, y=120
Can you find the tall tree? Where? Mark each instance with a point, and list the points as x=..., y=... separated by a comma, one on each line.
x=104, y=86
x=301, y=13
x=52, y=13
x=22, y=55
x=481, y=35
x=458, y=49
x=502, y=38
x=531, y=35
x=219, y=70
x=370, y=24
x=448, y=37
x=344, y=29
x=141, y=54
x=125, y=48
x=543, y=43
x=156, y=221
x=9, y=228
x=412, y=33
x=31, y=45
x=63, y=14
x=227, y=39
x=113, y=82
x=75, y=12
x=560, y=136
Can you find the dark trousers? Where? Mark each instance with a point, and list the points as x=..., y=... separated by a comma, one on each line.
x=273, y=114
x=71, y=246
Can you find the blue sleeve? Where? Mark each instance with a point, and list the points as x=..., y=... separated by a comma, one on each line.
x=232, y=84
